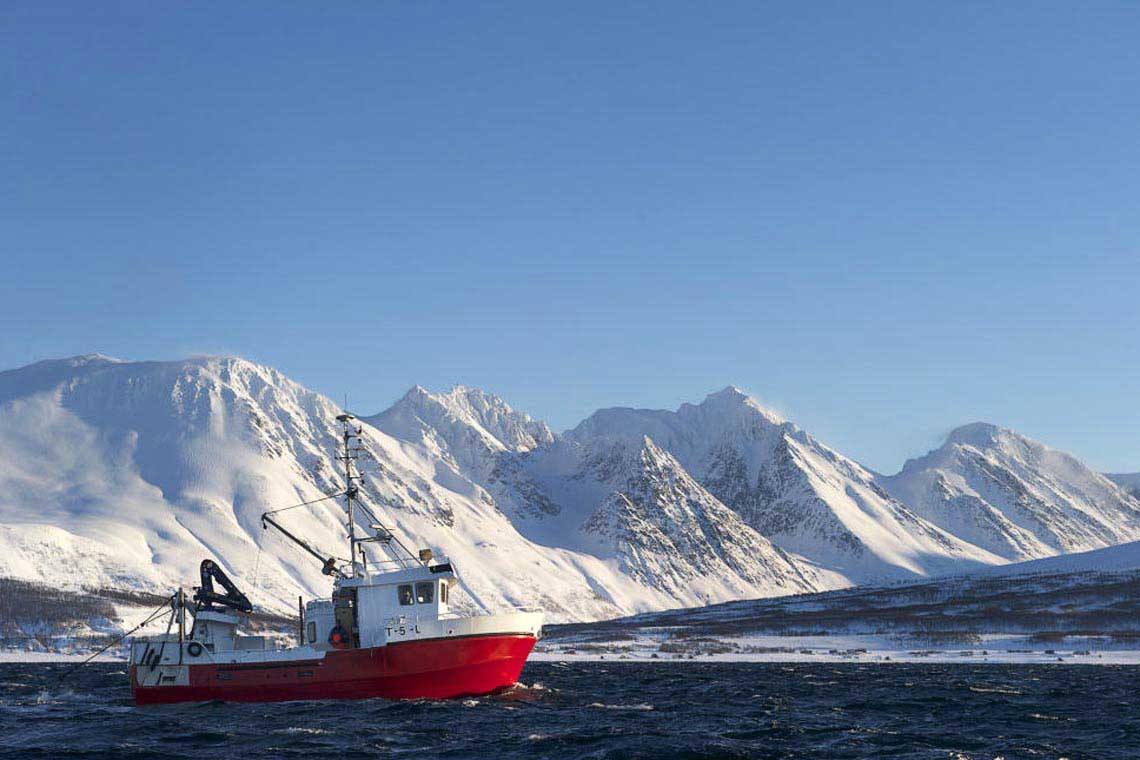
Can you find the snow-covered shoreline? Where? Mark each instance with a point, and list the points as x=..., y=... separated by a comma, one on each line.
x=874, y=657
x=1001, y=649
x=48, y=658
x=880, y=657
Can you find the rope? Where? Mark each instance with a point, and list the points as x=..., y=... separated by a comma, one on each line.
x=336, y=495
x=256, y=569
x=150, y=619
x=169, y=625
x=393, y=537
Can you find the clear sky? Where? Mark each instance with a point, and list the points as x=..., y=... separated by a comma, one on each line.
x=883, y=219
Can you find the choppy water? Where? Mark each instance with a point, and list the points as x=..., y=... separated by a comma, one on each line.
x=613, y=710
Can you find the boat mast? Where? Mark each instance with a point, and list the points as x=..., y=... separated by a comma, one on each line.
x=349, y=452
x=350, y=434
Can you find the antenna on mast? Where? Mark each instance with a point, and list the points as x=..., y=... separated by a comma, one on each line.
x=397, y=552
x=350, y=436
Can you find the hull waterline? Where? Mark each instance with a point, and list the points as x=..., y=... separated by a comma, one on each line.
x=423, y=669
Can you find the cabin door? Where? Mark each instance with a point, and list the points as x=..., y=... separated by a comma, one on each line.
x=345, y=612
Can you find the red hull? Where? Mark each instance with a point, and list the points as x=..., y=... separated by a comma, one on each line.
x=432, y=669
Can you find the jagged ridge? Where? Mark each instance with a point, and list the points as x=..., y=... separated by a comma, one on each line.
x=1015, y=496
x=125, y=474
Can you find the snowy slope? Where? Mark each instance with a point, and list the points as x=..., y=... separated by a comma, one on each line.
x=789, y=487
x=1087, y=594
x=633, y=502
x=463, y=419
x=632, y=507
x=465, y=429
x=128, y=474
x=1129, y=481
x=1014, y=496
x=1122, y=557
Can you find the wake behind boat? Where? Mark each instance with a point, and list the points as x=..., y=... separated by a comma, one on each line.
x=386, y=631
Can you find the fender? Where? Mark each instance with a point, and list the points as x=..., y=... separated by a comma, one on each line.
x=338, y=638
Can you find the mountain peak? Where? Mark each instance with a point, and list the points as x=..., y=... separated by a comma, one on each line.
x=477, y=398
x=73, y=362
x=1014, y=496
x=983, y=436
x=45, y=374
x=728, y=392
x=460, y=389
x=733, y=398
x=489, y=417
x=724, y=412
x=95, y=358
x=415, y=393
x=456, y=393
x=976, y=434
x=649, y=451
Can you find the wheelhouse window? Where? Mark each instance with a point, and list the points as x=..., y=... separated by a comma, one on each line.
x=404, y=592
x=312, y=632
x=424, y=593
x=443, y=592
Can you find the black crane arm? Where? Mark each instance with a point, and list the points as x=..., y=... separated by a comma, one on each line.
x=328, y=564
x=206, y=597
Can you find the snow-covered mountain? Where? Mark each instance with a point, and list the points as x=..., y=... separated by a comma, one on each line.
x=1090, y=596
x=1111, y=559
x=805, y=497
x=126, y=474
x=633, y=501
x=628, y=504
x=465, y=423
x=1014, y=496
x=1129, y=481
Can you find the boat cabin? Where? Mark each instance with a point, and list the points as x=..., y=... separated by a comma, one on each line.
x=374, y=609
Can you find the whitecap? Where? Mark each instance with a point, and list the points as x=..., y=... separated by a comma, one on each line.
x=1039, y=716
x=995, y=690
x=536, y=686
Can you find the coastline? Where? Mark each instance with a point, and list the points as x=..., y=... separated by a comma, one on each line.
x=817, y=652
x=881, y=657
x=998, y=649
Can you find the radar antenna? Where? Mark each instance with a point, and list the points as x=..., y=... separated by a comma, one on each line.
x=397, y=552
x=350, y=435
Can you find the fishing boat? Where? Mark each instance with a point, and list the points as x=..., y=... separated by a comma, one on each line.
x=387, y=630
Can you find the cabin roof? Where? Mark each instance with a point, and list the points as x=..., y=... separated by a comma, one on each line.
x=402, y=575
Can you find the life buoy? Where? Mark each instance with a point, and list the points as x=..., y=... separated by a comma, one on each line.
x=338, y=638
x=194, y=649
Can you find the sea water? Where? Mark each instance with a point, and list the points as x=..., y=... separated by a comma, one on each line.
x=612, y=710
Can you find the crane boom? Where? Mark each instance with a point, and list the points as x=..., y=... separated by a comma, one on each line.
x=328, y=563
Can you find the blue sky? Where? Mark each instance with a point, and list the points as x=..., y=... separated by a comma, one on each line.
x=883, y=219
